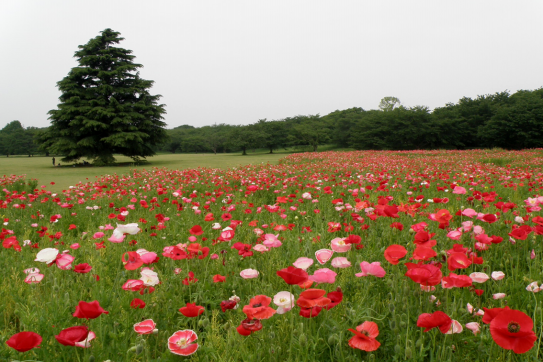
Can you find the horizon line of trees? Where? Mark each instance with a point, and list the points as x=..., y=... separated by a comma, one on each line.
x=509, y=121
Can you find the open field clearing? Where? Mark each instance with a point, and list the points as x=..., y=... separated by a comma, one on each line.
x=331, y=256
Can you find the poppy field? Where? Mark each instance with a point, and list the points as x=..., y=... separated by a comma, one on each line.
x=332, y=256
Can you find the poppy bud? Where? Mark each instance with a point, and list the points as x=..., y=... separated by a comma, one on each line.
x=139, y=349
x=91, y=358
x=302, y=339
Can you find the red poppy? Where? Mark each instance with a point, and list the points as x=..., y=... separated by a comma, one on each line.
x=219, y=278
x=293, y=275
x=196, y=230
x=364, y=337
x=175, y=253
x=313, y=298
x=520, y=233
x=82, y=268
x=192, y=310
x=437, y=319
x=132, y=260
x=458, y=261
x=137, y=303
x=228, y=304
x=422, y=253
x=490, y=218
x=24, y=341
x=253, y=325
x=70, y=336
x=422, y=238
x=513, y=330
x=456, y=281
x=352, y=239
x=89, y=310
x=424, y=274
x=394, y=253
x=490, y=313
x=258, y=308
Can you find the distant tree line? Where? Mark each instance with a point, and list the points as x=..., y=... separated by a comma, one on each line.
x=509, y=121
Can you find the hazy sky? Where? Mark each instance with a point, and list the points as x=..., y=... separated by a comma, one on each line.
x=235, y=62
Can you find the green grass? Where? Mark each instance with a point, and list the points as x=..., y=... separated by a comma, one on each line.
x=66, y=175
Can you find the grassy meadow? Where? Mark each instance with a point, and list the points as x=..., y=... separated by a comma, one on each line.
x=326, y=256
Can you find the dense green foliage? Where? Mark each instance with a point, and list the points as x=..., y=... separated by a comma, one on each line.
x=105, y=108
x=17, y=140
x=509, y=121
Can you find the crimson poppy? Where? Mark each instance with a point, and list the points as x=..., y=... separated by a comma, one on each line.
x=89, y=310
x=192, y=310
x=437, y=319
x=70, y=336
x=335, y=298
x=137, y=303
x=196, y=230
x=82, y=268
x=513, y=330
x=24, y=341
x=364, y=337
x=293, y=275
x=228, y=304
x=310, y=312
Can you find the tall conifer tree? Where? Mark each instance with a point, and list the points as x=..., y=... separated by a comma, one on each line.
x=105, y=108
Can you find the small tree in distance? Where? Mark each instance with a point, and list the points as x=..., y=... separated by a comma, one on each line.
x=105, y=107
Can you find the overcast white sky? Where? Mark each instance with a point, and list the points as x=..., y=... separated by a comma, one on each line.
x=235, y=62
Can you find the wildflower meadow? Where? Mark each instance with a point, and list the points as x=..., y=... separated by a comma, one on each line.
x=332, y=256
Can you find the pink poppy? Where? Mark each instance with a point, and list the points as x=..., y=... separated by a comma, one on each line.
x=323, y=255
x=323, y=275
x=339, y=245
x=454, y=235
x=98, y=235
x=459, y=190
x=374, y=269
x=271, y=241
x=479, y=277
x=469, y=213
x=497, y=275
x=181, y=342
x=249, y=274
x=303, y=263
x=341, y=262
x=474, y=327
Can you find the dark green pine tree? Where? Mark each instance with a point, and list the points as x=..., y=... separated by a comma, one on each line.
x=105, y=107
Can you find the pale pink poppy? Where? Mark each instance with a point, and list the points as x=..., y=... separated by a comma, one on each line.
x=469, y=307
x=31, y=271
x=117, y=236
x=147, y=326
x=216, y=226
x=427, y=288
x=303, y=263
x=374, y=269
x=131, y=229
x=47, y=255
x=533, y=287
x=532, y=254
x=477, y=230
x=467, y=226
x=261, y=248
x=479, y=313
x=258, y=231
x=456, y=327
x=497, y=275
x=479, y=277
x=454, y=235
x=149, y=277
x=339, y=246
x=271, y=241
x=249, y=274
x=177, y=270
x=498, y=295
x=108, y=227
x=285, y=301
x=323, y=275
x=341, y=262
x=474, y=327
x=86, y=342
x=459, y=190
x=323, y=255
x=133, y=284
x=34, y=278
